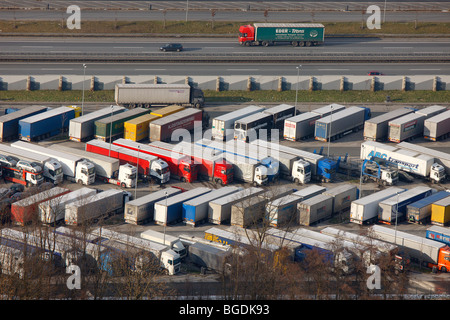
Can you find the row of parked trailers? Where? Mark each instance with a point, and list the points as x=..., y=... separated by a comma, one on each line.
x=433, y=123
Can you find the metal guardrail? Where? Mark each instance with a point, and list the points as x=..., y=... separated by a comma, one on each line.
x=223, y=57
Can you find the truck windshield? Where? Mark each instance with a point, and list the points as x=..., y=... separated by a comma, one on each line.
x=237, y=125
x=165, y=170
x=187, y=169
x=176, y=261
x=92, y=170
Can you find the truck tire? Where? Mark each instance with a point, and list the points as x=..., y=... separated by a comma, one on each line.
x=294, y=43
x=247, y=43
x=80, y=182
x=265, y=43
x=198, y=105
x=301, y=43
x=308, y=43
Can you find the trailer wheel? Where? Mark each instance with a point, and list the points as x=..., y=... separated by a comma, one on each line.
x=265, y=43
x=247, y=43
x=80, y=182
x=295, y=43
x=301, y=43
x=444, y=269
x=308, y=43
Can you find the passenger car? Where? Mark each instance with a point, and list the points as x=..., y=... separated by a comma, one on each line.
x=29, y=166
x=171, y=47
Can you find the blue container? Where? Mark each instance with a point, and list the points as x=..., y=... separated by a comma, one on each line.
x=46, y=124
x=421, y=210
x=437, y=233
x=9, y=123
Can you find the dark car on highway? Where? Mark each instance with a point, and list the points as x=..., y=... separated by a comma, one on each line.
x=374, y=73
x=171, y=47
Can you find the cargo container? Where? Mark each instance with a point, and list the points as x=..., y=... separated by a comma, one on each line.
x=309, y=192
x=335, y=126
x=52, y=211
x=300, y=127
x=78, y=110
x=440, y=212
x=163, y=128
x=328, y=109
x=112, y=127
x=365, y=210
x=408, y=157
x=441, y=158
x=394, y=208
x=248, y=212
x=211, y=166
x=83, y=127
x=210, y=257
x=46, y=124
x=432, y=254
x=296, y=34
x=315, y=209
x=26, y=210
x=219, y=210
x=343, y=196
x=420, y=211
x=376, y=129
x=406, y=127
x=431, y=111
x=438, y=233
x=172, y=242
x=162, y=112
x=282, y=211
x=9, y=123
x=253, y=127
x=11, y=110
x=223, y=126
x=74, y=168
x=195, y=211
x=102, y=204
x=138, y=128
x=170, y=210
x=147, y=95
x=279, y=114
x=141, y=210
x=437, y=127
x=181, y=167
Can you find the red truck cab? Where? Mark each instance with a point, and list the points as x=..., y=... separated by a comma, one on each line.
x=443, y=264
x=188, y=170
x=246, y=34
x=223, y=172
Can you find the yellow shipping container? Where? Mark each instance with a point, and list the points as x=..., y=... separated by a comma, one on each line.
x=138, y=128
x=440, y=212
x=77, y=110
x=167, y=110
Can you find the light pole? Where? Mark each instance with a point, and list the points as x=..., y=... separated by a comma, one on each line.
x=82, y=98
x=384, y=13
x=110, y=130
x=361, y=175
x=329, y=133
x=396, y=215
x=187, y=9
x=164, y=239
x=296, y=90
x=137, y=172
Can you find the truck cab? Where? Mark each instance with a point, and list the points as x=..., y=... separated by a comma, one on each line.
x=260, y=177
x=246, y=35
x=160, y=170
x=223, y=172
x=383, y=174
x=171, y=261
x=197, y=98
x=85, y=172
x=301, y=172
x=326, y=169
x=437, y=173
x=443, y=263
x=53, y=171
x=189, y=171
x=127, y=176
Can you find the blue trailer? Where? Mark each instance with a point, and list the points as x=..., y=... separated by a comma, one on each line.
x=437, y=233
x=9, y=123
x=46, y=124
x=420, y=211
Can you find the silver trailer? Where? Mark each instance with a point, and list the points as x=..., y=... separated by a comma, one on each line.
x=286, y=161
x=248, y=212
x=280, y=113
x=163, y=128
x=223, y=126
x=300, y=127
x=326, y=110
x=141, y=210
x=83, y=128
x=440, y=157
x=102, y=204
x=437, y=127
x=418, y=248
x=431, y=111
x=282, y=211
x=406, y=127
x=219, y=210
x=309, y=192
x=365, y=209
x=376, y=129
x=315, y=209
x=342, y=197
x=210, y=257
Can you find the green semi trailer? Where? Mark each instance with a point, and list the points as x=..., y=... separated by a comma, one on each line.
x=296, y=34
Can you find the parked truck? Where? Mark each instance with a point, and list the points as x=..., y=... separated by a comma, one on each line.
x=83, y=128
x=102, y=204
x=9, y=123
x=172, y=242
x=296, y=34
x=52, y=211
x=195, y=211
x=137, y=129
x=248, y=212
x=163, y=129
x=406, y=159
x=394, y=208
x=282, y=211
x=74, y=168
x=166, y=111
x=51, y=168
x=431, y=111
x=219, y=210
x=440, y=212
x=46, y=124
x=112, y=127
x=148, y=95
x=300, y=127
x=181, y=167
x=376, y=128
x=315, y=209
x=438, y=233
x=148, y=166
x=406, y=127
x=169, y=210
x=343, y=196
x=420, y=211
x=432, y=254
x=210, y=257
x=365, y=210
x=335, y=126
x=438, y=127
x=25, y=210
x=380, y=173
x=223, y=126
x=142, y=210
x=211, y=167
x=107, y=169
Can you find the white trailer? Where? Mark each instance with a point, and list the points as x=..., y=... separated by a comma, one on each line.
x=376, y=129
x=437, y=127
x=74, y=168
x=365, y=209
x=223, y=126
x=309, y=192
x=300, y=127
x=172, y=242
x=431, y=111
x=406, y=127
x=52, y=211
x=326, y=110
